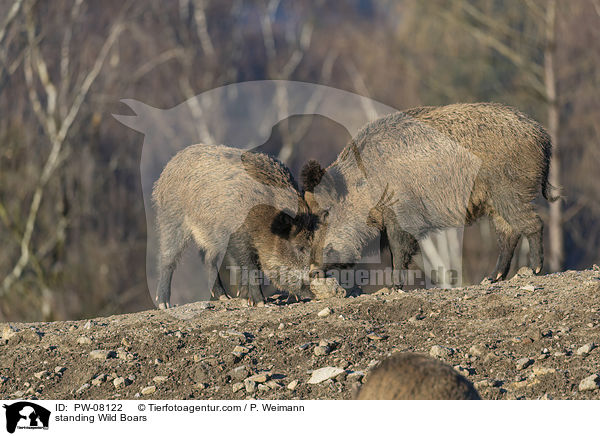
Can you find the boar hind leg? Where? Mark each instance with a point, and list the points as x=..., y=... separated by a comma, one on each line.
x=507, y=241
x=530, y=225
x=403, y=246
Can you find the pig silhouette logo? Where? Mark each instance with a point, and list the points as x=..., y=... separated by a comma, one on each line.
x=26, y=415
x=242, y=116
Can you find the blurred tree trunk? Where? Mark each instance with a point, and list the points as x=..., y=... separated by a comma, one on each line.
x=556, y=255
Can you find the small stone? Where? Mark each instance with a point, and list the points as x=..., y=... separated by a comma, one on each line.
x=41, y=374
x=102, y=354
x=324, y=313
x=523, y=363
x=529, y=288
x=159, y=379
x=83, y=387
x=590, y=383
x=204, y=305
x=250, y=386
x=441, y=352
x=465, y=372
x=322, y=374
x=541, y=370
x=59, y=369
x=240, y=350
x=584, y=350
x=84, y=340
x=237, y=387
x=239, y=373
x=97, y=381
x=482, y=384
x=260, y=378
x=305, y=346
x=281, y=326
x=329, y=287
x=525, y=271
x=88, y=325
x=118, y=382
x=273, y=384
x=292, y=385
x=321, y=350
x=263, y=388
x=3, y=379
x=148, y=390
x=8, y=332
x=125, y=342
x=375, y=337
x=478, y=350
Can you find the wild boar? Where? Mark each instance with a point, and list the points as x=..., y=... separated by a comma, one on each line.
x=430, y=168
x=242, y=209
x=411, y=376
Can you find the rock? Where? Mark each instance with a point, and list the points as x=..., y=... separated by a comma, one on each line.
x=3, y=379
x=237, y=387
x=541, y=370
x=84, y=340
x=292, y=385
x=529, y=288
x=281, y=326
x=118, y=382
x=590, y=383
x=260, y=378
x=59, y=370
x=441, y=352
x=465, y=372
x=160, y=379
x=8, y=332
x=88, y=325
x=322, y=374
x=486, y=383
x=584, y=350
x=41, y=374
x=524, y=271
x=250, y=386
x=273, y=384
x=263, y=388
x=148, y=390
x=478, y=350
x=240, y=351
x=204, y=305
x=523, y=363
x=239, y=373
x=323, y=288
x=97, y=381
x=324, y=313
x=83, y=387
x=102, y=354
x=356, y=376
x=375, y=337
x=321, y=350
x=305, y=346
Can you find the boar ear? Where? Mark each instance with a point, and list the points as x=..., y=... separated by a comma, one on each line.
x=311, y=175
x=282, y=225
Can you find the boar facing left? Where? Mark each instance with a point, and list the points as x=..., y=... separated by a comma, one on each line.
x=242, y=209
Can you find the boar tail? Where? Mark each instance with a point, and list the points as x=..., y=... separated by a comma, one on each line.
x=546, y=185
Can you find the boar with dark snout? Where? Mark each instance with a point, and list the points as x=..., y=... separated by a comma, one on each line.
x=430, y=168
x=242, y=209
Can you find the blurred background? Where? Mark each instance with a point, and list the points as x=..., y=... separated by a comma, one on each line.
x=72, y=221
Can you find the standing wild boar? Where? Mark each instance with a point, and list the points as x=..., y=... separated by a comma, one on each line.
x=411, y=376
x=431, y=168
x=242, y=209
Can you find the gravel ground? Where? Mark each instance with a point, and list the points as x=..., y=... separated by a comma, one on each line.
x=526, y=338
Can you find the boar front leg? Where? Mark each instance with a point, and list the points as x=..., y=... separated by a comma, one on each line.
x=402, y=244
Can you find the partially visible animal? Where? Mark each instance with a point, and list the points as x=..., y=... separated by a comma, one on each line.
x=431, y=168
x=412, y=376
x=242, y=209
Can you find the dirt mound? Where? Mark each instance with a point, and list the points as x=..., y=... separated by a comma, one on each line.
x=529, y=337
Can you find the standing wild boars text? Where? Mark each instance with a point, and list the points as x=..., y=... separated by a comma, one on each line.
x=242, y=209
x=427, y=169
x=411, y=376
